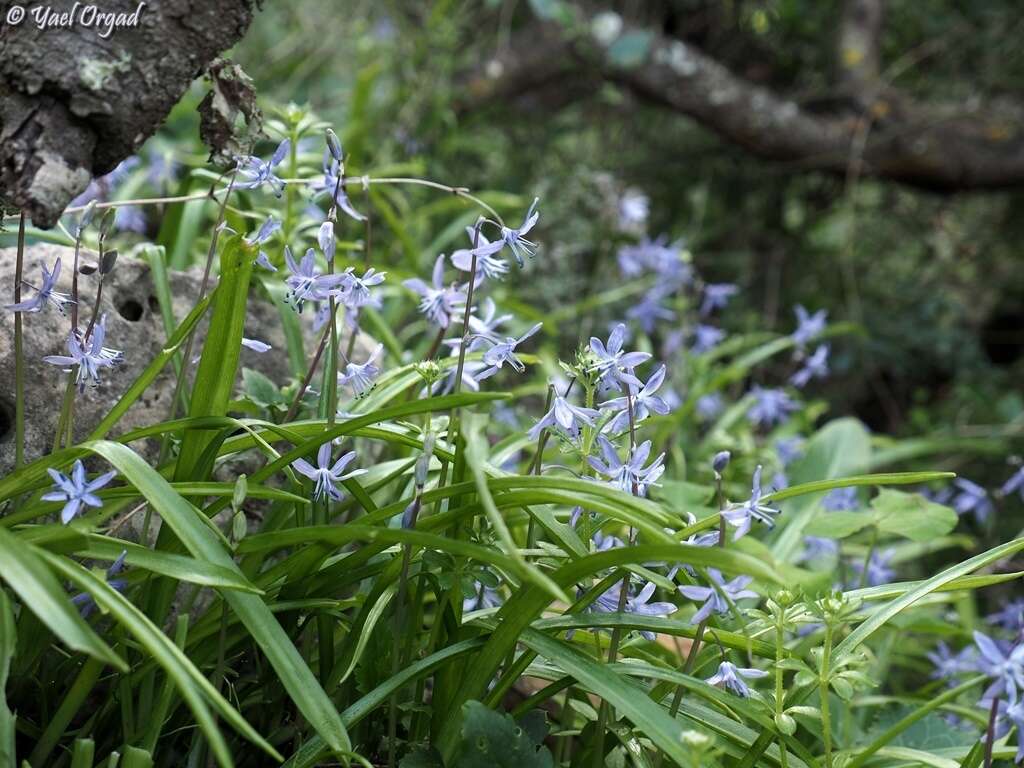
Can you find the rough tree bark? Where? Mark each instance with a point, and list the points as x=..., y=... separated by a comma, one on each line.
x=73, y=104
x=884, y=132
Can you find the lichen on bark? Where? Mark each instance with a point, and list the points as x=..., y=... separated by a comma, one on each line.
x=74, y=104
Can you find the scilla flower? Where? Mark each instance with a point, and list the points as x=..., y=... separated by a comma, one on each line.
x=437, y=301
x=305, y=283
x=1015, y=484
x=505, y=352
x=254, y=172
x=717, y=597
x=256, y=345
x=615, y=366
x=740, y=516
x=630, y=476
x=644, y=402
x=84, y=601
x=88, y=355
x=1010, y=617
x=45, y=293
x=565, y=415
x=485, y=327
x=356, y=290
x=706, y=338
x=361, y=377
x=76, y=490
x=639, y=604
x=515, y=238
x=325, y=474
x=716, y=296
x=1005, y=665
x=483, y=597
x=264, y=233
x=809, y=326
x=731, y=677
x=971, y=497
x=814, y=367
x=770, y=407
x=329, y=186
x=486, y=265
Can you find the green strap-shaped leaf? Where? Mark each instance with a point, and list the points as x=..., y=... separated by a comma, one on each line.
x=178, y=567
x=8, y=642
x=218, y=365
x=184, y=520
x=516, y=615
x=194, y=687
x=41, y=593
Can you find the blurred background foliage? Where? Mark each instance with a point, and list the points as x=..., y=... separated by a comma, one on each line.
x=934, y=281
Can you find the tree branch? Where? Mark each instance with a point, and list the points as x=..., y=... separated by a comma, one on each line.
x=938, y=148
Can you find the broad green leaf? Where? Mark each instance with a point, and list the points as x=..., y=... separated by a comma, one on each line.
x=493, y=740
x=840, y=524
x=911, y=515
x=40, y=592
x=261, y=390
x=841, y=447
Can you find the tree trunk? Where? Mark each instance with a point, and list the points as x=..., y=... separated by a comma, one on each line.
x=76, y=97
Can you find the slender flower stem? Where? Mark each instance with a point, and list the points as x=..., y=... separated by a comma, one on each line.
x=457, y=387
x=990, y=731
x=324, y=337
x=19, y=353
x=779, y=695
x=462, y=192
x=698, y=636
x=99, y=289
x=531, y=529
x=823, y=678
x=613, y=646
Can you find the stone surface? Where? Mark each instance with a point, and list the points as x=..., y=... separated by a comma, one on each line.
x=134, y=326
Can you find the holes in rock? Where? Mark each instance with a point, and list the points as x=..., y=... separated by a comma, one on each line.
x=130, y=310
x=6, y=420
x=154, y=303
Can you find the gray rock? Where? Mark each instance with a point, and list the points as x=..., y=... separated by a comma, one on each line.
x=134, y=326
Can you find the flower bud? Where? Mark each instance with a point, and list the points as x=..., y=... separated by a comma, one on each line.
x=334, y=145
x=107, y=222
x=326, y=239
x=409, y=515
x=423, y=462
x=785, y=723
x=239, y=526
x=784, y=597
x=86, y=218
x=240, y=492
x=720, y=462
